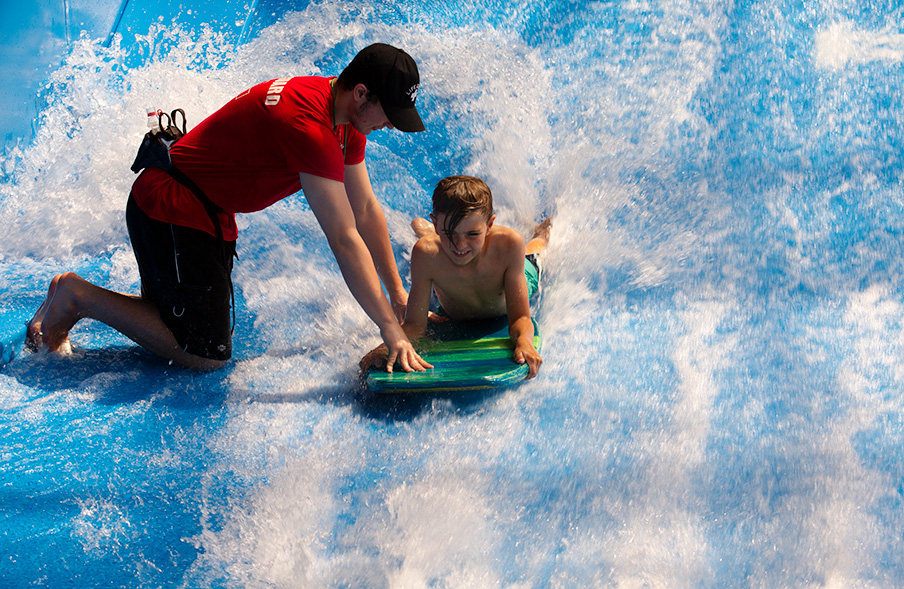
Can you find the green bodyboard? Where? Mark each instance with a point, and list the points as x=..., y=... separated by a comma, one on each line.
x=466, y=356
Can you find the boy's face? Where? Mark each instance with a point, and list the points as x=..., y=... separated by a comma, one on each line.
x=467, y=239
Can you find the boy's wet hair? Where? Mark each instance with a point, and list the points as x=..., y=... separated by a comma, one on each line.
x=459, y=196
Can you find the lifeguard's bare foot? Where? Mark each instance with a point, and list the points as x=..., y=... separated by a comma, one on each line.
x=33, y=335
x=55, y=317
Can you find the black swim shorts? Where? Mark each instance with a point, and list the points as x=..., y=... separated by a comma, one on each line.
x=187, y=273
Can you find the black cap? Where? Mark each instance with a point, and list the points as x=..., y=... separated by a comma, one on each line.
x=392, y=75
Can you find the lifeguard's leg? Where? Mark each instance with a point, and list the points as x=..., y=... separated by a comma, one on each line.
x=71, y=298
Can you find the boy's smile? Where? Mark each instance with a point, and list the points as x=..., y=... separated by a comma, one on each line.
x=464, y=243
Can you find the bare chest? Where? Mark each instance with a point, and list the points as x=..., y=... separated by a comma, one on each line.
x=471, y=293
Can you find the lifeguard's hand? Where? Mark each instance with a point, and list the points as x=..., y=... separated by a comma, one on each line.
x=400, y=350
x=527, y=353
x=407, y=358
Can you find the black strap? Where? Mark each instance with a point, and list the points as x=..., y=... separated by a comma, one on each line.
x=209, y=206
x=212, y=210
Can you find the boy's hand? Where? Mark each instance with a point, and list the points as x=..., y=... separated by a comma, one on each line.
x=526, y=353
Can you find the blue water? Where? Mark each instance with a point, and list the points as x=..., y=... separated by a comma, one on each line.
x=721, y=399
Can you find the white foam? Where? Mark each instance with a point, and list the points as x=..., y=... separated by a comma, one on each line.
x=663, y=540
x=842, y=43
x=594, y=474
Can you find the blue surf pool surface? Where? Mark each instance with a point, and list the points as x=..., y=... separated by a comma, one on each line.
x=721, y=398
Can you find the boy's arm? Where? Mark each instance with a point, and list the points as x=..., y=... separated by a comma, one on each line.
x=521, y=328
x=371, y=224
x=415, y=324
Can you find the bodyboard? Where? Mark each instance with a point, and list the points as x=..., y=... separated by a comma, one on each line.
x=466, y=356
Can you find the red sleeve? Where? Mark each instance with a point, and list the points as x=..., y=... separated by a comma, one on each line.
x=307, y=139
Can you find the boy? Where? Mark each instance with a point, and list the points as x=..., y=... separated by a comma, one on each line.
x=475, y=268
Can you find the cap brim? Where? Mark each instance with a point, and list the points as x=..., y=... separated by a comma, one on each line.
x=404, y=119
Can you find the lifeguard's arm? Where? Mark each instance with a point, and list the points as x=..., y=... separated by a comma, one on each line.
x=415, y=325
x=330, y=204
x=521, y=328
x=371, y=223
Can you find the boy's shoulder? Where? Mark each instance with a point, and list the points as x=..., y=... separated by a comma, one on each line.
x=427, y=245
x=427, y=254
x=505, y=238
x=498, y=229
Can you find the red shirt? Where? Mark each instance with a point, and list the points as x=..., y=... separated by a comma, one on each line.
x=248, y=154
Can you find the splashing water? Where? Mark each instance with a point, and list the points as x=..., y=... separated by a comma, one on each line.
x=721, y=398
